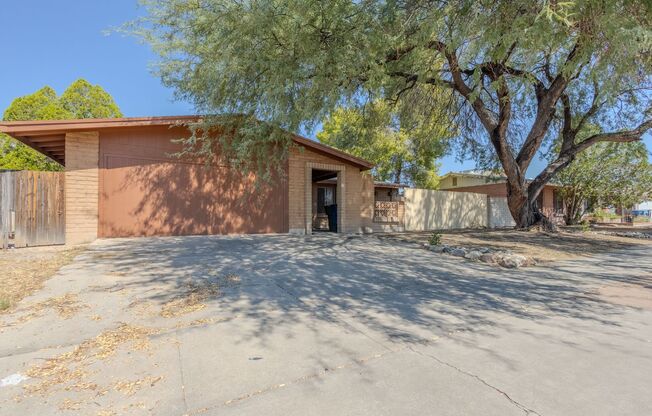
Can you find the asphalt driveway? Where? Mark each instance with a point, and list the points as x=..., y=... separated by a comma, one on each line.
x=328, y=325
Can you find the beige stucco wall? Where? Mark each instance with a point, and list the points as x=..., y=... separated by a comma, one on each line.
x=356, y=190
x=498, y=214
x=82, y=190
x=443, y=210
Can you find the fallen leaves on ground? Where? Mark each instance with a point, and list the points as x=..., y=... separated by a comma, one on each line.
x=65, y=306
x=23, y=273
x=195, y=293
x=129, y=388
x=71, y=368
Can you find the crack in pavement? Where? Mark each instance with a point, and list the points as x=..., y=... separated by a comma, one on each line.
x=183, y=382
x=521, y=406
x=319, y=374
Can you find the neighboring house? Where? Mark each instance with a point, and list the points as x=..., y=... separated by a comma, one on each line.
x=121, y=180
x=495, y=185
x=644, y=209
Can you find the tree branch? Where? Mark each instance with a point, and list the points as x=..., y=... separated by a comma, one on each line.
x=567, y=156
x=623, y=136
x=595, y=106
x=567, y=132
x=546, y=105
x=487, y=118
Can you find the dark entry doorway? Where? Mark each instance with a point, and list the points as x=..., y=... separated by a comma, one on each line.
x=324, y=200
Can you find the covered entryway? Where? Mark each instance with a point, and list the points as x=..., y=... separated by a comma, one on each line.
x=324, y=200
x=325, y=197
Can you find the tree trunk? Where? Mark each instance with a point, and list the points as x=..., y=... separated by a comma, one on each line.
x=524, y=208
x=573, y=209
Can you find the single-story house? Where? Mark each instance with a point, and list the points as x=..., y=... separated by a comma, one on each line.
x=493, y=184
x=122, y=180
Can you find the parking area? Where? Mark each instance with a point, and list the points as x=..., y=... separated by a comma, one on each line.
x=328, y=325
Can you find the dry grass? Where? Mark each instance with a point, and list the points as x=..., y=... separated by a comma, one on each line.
x=70, y=369
x=541, y=246
x=25, y=270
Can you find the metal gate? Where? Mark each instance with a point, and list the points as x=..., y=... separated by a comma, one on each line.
x=31, y=209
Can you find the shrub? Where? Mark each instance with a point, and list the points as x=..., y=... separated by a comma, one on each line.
x=435, y=239
x=602, y=215
x=585, y=226
x=4, y=304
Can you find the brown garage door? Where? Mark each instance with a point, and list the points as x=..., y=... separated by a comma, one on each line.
x=146, y=192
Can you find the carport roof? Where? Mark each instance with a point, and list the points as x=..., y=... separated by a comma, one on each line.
x=48, y=136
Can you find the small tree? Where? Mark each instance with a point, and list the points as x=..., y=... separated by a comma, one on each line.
x=79, y=100
x=403, y=145
x=605, y=174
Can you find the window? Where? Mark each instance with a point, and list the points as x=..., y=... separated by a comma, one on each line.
x=558, y=202
x=325, y=196
x=454, y=181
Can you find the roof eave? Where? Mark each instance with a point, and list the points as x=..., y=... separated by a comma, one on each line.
x=23, y=130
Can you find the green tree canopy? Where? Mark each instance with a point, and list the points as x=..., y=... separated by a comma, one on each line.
x=519, y=72
x=403, y=145
x=80, y=100
x=607, y=174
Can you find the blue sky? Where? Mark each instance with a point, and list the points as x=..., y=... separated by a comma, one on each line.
x=55, y=42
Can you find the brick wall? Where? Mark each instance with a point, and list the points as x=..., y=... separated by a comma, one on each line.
x=357, y=210
x=82, y=192
x=494, y=189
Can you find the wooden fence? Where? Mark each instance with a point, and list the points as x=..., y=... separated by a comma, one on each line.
x=31, y=209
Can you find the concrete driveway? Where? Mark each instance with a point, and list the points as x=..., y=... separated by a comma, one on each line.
x=328, y=325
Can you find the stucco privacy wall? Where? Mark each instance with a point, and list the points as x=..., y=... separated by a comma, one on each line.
x=442, y=210
x=357, y=191
x=498, y=214
x=82, y=191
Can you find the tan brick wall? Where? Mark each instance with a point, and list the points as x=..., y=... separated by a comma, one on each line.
x=82, y=191
x=496, y=189
x=357, y=210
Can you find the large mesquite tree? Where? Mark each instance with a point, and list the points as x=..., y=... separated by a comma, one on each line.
x=520, y=73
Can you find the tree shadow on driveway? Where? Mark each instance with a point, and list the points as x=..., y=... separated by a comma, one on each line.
x=399, y=292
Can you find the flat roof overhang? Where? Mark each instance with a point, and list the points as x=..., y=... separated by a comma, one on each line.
x=49, y=136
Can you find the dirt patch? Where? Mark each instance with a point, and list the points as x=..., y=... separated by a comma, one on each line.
x=634, y=296
x=24, y=270
x=541, y=246
x=640, y=228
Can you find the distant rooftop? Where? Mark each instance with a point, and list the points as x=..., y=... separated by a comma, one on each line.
x=389, y=185
x=483, y=173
